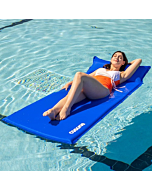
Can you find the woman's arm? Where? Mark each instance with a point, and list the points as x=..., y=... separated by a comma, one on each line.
x=130, y=70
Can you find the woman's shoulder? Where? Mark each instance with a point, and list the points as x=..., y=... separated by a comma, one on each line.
x=101, y=69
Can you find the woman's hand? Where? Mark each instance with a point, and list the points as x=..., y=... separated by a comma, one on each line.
x=66, y=85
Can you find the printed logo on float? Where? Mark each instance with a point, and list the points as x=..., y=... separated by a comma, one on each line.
x=76, y=128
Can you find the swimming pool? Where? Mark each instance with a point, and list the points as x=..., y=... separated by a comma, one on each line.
x=65, y=47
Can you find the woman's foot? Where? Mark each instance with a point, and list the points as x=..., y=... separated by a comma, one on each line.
x=50, y=113
x=64, y=113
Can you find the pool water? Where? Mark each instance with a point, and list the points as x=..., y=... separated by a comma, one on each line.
x=65, y=47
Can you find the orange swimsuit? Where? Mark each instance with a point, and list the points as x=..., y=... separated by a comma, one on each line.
x=109, y=79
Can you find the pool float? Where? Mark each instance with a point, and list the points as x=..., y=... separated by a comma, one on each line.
x=84, y=115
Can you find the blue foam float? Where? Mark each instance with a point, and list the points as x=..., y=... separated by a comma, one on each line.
x=84, y=115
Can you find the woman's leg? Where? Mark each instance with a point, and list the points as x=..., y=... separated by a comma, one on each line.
x=91, y=88
x=51, y=113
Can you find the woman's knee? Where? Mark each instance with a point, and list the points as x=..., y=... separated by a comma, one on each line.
x=79, y=75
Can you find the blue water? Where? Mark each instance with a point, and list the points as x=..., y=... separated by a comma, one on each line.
x=65, y=47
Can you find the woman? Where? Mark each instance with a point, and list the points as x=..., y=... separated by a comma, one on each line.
x=96, y=85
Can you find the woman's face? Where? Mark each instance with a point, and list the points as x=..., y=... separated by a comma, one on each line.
x=117, y=60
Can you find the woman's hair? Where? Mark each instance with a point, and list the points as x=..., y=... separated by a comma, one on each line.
x=122, y=68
